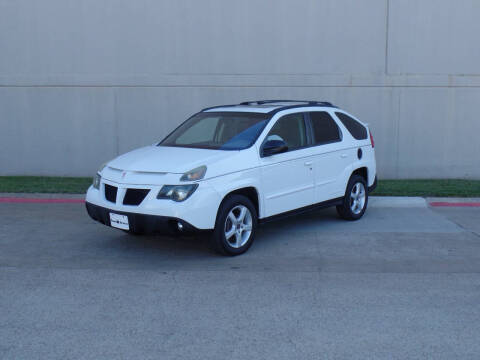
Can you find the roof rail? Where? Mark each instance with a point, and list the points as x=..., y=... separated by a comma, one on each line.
x=218, y=106
x=309, y=102
x=295, y=104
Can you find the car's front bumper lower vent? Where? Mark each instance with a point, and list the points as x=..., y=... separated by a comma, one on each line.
x=135, y=196
x=111, y=193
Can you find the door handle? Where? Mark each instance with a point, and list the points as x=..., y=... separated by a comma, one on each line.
x=343, y=156
x=308, y=163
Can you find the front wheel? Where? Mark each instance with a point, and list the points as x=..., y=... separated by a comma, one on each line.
x=235, y=226
x=355, y=200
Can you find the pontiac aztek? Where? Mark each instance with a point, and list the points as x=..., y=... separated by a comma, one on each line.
x=228, y=168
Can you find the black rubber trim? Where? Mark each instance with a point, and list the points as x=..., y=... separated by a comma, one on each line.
x=320, y=205
x=374, y=186
x=142, y=223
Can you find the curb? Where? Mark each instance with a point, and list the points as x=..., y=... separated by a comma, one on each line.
x=454, y=204
x=24, y=200
x=397, y=202
x=374, y=201
x=36, y=198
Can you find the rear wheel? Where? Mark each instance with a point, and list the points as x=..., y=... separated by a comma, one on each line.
x=355, y=200
x=235, y=226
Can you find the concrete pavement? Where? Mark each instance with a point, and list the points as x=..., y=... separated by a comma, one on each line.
x=401, y=283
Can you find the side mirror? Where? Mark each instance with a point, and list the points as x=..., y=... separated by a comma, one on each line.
x=272, y=147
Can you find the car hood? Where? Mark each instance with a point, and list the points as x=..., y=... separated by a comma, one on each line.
x=165, y=159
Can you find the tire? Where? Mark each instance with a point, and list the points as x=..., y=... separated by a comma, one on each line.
x=354, y=206
x=234, y=234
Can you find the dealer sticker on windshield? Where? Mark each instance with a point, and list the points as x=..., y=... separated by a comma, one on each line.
x=119, y=221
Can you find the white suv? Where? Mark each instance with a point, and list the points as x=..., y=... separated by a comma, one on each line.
x=228, y=168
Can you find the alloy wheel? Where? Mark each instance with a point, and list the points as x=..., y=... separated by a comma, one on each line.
x=238, y=226
x=357, y=198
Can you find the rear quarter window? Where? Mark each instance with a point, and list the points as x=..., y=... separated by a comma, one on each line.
x=325, y=129
x=357, y=130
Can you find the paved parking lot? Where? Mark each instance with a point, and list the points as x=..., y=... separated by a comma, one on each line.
x=401, y=283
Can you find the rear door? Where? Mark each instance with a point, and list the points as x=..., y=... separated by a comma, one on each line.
x=332, y=159
x=287, y=178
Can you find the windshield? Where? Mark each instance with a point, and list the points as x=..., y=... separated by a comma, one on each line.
x=218, y=130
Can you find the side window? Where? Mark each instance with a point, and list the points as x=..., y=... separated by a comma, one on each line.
x=357, y=130
x=325, y=129
x=291, y=129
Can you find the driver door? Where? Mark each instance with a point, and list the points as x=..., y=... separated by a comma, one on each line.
x=288, y=178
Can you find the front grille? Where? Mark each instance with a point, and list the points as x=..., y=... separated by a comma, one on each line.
x=111, y=193
x=135, y=196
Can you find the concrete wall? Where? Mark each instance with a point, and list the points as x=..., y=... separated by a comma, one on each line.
x=82, y=81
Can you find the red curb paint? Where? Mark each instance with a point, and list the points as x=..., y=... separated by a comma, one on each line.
x=15, y=200
x=455, y=204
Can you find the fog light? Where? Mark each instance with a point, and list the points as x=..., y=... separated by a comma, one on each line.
x=179, y=226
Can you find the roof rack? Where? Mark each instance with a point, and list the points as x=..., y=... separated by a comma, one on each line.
x=264, y=102
x=295, y=104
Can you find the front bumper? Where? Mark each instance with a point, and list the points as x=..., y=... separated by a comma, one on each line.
x=142, y=223
x=199, y=210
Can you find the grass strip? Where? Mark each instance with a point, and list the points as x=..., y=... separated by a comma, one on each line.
x=79, y=185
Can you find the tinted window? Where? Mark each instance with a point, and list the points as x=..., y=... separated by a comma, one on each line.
x=357, y=130
x=218, y=130
x=325, y=129
x=291, y=129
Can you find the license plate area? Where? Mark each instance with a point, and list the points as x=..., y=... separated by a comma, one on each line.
x=119, y=221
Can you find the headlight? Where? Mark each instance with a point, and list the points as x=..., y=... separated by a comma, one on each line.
x=176, y=192
x=195, y=174
x=98, y=177
x=96, y=181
